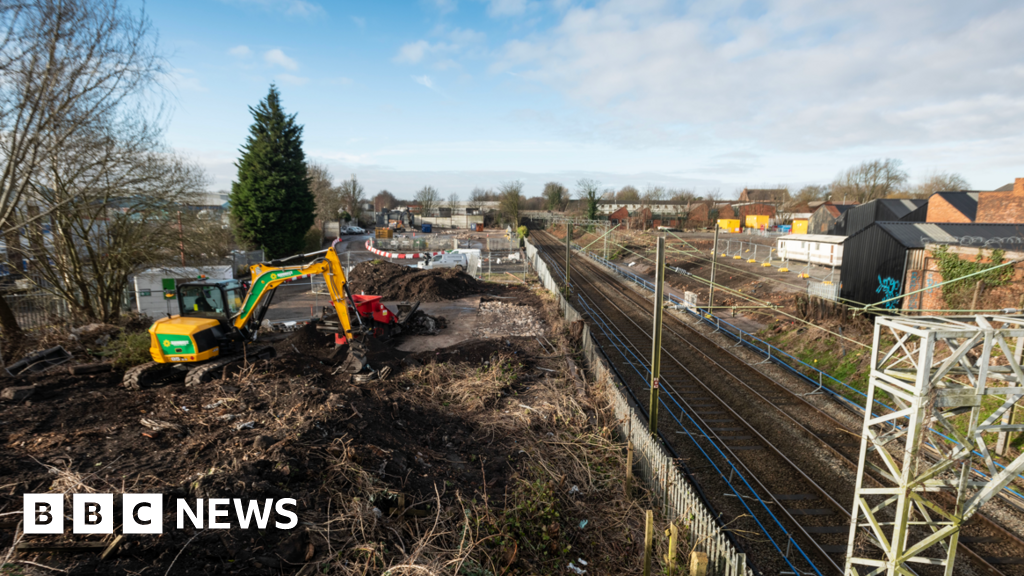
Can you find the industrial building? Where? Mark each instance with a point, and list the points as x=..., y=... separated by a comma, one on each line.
x=879, y=257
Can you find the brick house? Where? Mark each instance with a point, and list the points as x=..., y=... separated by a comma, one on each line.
x=1003, y=207
x=755, y=210
x=698, y=215
x=959, y=207
x=770, y=196
x=726, y=212
x=619, y=216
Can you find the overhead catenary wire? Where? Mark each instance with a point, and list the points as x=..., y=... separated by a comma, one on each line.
x=775, y=308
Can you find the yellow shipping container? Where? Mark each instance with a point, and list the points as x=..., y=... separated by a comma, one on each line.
x=800, y=226
x=756, y=222
x=729, y=225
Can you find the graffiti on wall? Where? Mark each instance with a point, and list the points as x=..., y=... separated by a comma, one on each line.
x=889, y=288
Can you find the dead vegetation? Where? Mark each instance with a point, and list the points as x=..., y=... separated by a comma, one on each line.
x=489, y=458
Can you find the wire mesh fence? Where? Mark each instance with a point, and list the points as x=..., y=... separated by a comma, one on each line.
x=678, y=500
x=35, y=310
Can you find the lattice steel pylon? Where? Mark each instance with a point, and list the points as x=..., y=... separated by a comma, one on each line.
x=937, y=372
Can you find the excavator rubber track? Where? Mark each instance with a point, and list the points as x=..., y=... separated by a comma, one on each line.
x=145, y=375
x=214, y=368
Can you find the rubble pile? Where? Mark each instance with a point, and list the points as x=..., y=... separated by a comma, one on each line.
x=509, y=318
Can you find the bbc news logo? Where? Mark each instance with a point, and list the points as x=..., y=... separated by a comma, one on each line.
x=144, y=513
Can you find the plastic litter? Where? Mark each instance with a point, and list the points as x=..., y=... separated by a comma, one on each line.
x=574, y=490
x=583, y=524
x=184, y=408
x=216, y=404
x=245, y=425
x=576, y=569
x=229, y=417
x=581, y=561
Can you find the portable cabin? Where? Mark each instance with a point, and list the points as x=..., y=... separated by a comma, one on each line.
x=800, y=226
x=823, y=249
x=757, y=221
x=729, y=225
x=879, y=258
x=156, y=288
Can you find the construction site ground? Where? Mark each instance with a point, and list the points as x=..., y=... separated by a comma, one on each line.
x=484, y=451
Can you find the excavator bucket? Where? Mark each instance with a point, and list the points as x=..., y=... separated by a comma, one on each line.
x=356, y=360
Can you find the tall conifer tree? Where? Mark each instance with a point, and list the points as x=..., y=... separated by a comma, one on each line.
x=271, y=205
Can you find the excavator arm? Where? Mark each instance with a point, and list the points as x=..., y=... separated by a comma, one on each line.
x=268, y=276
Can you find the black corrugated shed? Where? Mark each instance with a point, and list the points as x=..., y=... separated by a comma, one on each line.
x=875, y=258
x=884, y=210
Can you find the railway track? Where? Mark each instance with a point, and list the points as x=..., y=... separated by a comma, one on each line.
x=778, y=469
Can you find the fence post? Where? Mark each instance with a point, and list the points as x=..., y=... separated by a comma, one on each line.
x=648, y=542
x=673, y=543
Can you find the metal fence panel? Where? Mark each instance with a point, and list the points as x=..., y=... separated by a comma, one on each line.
x=37, y=309
x=827, y=291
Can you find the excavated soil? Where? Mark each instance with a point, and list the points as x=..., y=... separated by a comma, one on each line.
x=288, y=427
x=397, y=282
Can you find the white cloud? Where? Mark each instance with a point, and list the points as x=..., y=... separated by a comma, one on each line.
x=506, y=7
x=413, y=52
x=240, y=51
x=424, y=81
x=277, y=57
x=459, y=40
x=797, y=75
x=291, y=79
x=358, y=21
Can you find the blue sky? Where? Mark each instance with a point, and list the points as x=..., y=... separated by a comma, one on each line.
x=726, y=94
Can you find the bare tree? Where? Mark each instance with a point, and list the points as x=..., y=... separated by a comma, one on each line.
x=477, y=198
x=870, y=180
x=556, y=196
x=811, y=193
x=352, y=195
x=384, y=199
x=120, y=195
x=940, y=182
x=66, y=68
x=326, y=194
x=510, y=202
x=453, y=205
x=589, y=191
x=428, y=198
x=628, y=195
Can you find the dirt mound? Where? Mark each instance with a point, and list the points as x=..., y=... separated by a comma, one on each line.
x=397, y=282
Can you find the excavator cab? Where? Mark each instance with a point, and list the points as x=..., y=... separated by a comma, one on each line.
x=217, y=299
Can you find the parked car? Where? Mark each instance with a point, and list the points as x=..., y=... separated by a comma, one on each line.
x=459, y=261
x=356, y=230
x=344, y=230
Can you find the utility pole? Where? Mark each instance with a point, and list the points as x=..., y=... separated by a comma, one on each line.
x=606, y=240
x=714, y=259
x=568, y=252
x=659, y=306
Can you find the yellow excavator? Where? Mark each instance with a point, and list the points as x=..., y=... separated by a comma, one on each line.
x=220, y=320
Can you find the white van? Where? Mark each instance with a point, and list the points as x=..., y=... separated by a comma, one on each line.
x=445, y=261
